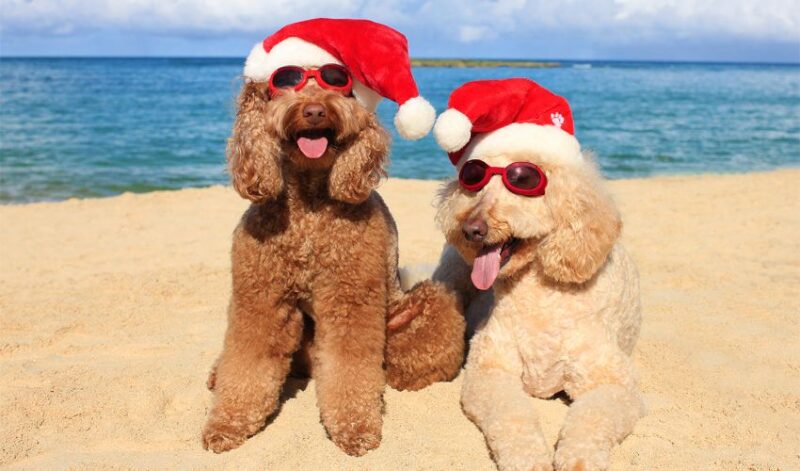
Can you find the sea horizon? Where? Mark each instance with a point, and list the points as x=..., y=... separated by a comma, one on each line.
x=101, y=126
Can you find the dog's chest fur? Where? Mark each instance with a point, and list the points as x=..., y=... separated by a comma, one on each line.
x=547, y=324
x=538, y=337
x=319, y=240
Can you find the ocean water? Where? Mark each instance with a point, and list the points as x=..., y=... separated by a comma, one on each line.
x=98, y=127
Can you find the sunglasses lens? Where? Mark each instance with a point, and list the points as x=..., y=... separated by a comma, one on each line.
x=287, y=78
x=334, y=76
x=472, y=173
x=524, y=177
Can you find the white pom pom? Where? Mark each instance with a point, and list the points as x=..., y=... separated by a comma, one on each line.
x=453, y=130
x=415, y=118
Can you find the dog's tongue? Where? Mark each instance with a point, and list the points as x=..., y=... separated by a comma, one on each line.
x=486, y=267
x=312, y=148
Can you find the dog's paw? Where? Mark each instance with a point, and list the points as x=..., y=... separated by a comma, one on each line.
x=526, y=462
x=575, y=464
x=357, y=439
x=430, y=345
x=219, y=437
x=581, y=459
x=541, y=467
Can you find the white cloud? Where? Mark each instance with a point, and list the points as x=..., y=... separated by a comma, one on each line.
x=764, y=19
x=470, y=34
x=165, y=16
x=761, y=19
x=449, y=19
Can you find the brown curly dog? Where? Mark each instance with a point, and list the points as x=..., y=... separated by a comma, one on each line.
x=318, y=246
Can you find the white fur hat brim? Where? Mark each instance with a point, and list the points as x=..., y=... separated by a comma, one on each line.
x=549, y=142
x=260, y=65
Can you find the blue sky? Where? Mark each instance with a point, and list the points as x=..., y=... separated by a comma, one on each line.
x=715, y=30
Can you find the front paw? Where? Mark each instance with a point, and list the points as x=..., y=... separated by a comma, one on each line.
x=219, y=436
x=574, y=457
x=525, y=461
x=356, y=439
x=425, y=338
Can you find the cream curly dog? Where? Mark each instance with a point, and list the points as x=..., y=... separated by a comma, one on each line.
x=566, y=313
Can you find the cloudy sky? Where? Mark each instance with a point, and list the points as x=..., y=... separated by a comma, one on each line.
x=717, y=30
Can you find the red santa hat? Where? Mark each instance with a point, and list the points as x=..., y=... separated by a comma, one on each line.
x=375, y=55
x=502, y=116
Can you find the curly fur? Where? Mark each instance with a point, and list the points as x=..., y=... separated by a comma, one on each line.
x=425, y=350
x=314, y=267
x=563, y=315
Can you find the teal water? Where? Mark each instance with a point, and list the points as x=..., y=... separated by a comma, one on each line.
x=98, y=127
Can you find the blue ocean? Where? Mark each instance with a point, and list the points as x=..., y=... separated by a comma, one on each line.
x=99, y=127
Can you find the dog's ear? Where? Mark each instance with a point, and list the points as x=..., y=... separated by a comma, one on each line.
x=359, y=166
x=253, y=152
x=586, y=223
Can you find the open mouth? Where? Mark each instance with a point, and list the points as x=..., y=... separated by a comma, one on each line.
x=314, y=142
x=489, y=261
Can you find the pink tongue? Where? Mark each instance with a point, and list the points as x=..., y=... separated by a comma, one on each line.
x=486, y=267
x=312, y=148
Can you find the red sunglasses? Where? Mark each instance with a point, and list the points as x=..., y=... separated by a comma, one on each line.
x=330, y=76
x=522, y=178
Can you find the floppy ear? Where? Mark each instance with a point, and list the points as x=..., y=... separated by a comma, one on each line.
x=359, y=166
x=253, y=152
x=586, y=223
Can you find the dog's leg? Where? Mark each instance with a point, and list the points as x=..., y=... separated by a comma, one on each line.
x=347, y=363
x=602, y=384
x=251, y=370
x=430, y=346
x=493, y=397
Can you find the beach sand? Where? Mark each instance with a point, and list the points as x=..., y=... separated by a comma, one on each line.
x=114, y=309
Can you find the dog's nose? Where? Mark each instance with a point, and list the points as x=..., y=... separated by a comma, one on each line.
x=475, y=230
x=314, y=113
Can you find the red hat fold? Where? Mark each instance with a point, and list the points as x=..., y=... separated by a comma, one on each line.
x=505, y=116
x=376, y=56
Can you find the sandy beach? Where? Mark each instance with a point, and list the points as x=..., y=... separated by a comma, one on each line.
x=112, y=311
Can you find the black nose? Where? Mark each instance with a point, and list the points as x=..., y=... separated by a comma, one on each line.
x=475, y=230
x=314, y=113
